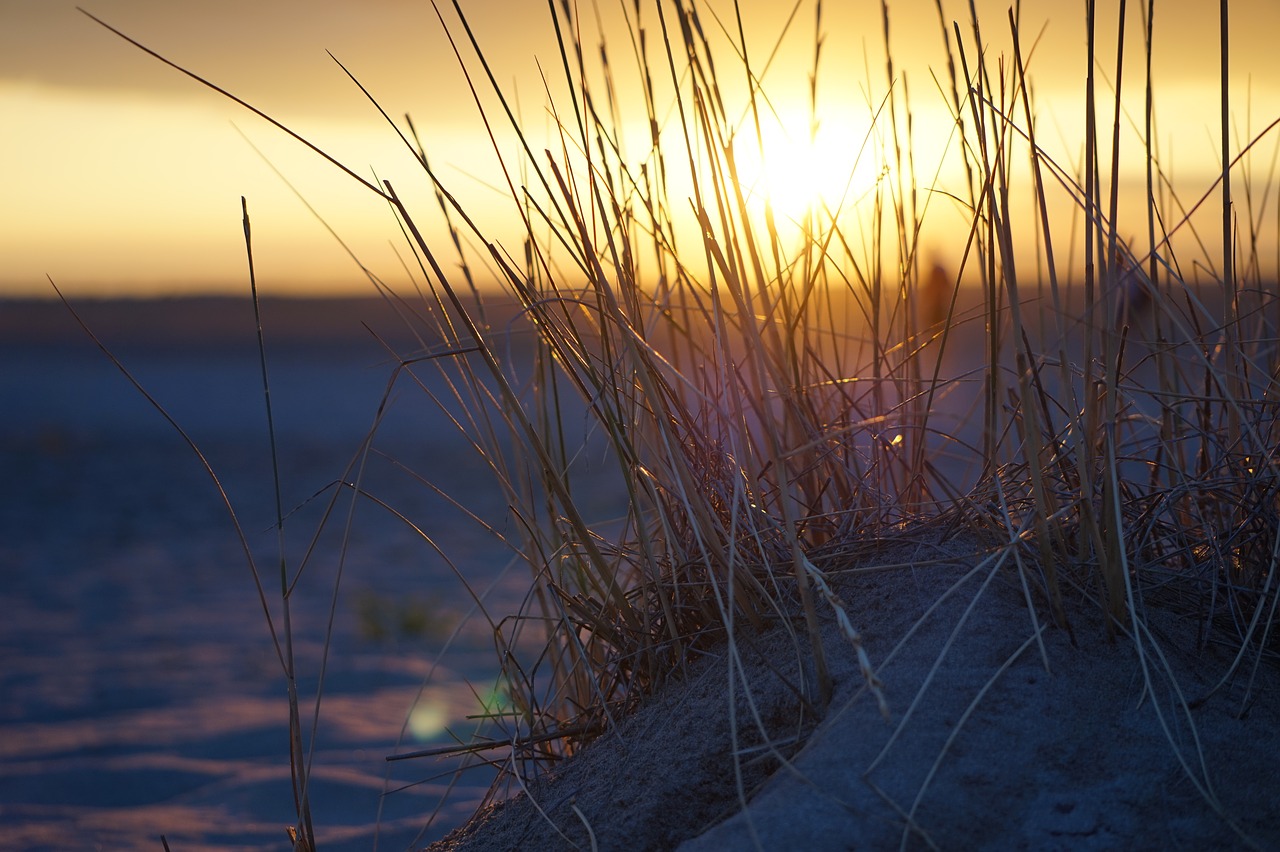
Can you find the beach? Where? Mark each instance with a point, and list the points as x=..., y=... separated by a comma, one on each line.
x=143, y=697
x=1001, y=734
x=141, y=694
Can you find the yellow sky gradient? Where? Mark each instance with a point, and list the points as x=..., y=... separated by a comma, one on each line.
x=123, y=177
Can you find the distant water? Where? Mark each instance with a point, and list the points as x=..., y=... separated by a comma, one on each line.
x=140, y=693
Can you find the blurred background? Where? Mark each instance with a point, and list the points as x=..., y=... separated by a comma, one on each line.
x=123, y=176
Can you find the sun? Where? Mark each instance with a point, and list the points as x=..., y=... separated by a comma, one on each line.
x=799, y=173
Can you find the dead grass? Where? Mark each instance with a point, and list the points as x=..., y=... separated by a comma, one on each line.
x=774, y=396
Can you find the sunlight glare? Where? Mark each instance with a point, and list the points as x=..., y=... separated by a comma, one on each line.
x=800, y=175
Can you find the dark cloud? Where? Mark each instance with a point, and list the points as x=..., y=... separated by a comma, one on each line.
x=277, y=48
x=265, y=51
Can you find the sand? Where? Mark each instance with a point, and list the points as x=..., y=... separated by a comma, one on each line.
x=1003, y=735
x=140, y=695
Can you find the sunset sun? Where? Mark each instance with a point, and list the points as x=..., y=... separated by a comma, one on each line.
x=799, y=173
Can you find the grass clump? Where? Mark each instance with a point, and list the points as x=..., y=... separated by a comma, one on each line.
x=775, y=392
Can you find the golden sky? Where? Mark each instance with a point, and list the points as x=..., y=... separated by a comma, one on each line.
x=121, y=176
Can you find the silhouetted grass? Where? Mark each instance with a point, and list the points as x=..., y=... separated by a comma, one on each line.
x=773, y=396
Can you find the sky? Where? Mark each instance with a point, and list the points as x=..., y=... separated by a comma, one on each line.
x=121, y=176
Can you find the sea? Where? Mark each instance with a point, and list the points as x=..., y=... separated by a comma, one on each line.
x=144, y=699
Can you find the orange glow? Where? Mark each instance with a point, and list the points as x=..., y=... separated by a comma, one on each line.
x=122, y=177
x=801, y=173
x=143, y=195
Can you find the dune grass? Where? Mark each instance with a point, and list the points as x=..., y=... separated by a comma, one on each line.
x=774, y=395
